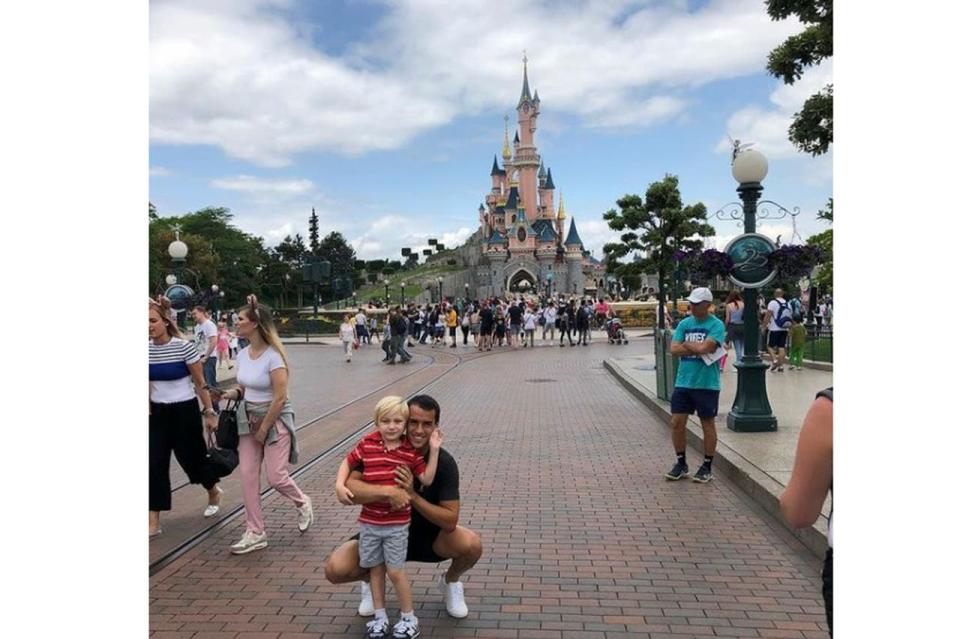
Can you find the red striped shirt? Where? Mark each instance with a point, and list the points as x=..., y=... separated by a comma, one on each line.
x=378, y=466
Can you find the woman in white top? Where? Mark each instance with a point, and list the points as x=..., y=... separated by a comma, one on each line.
x=176, y=379
x=529, y=326
x=347, y=336
x=265, y=423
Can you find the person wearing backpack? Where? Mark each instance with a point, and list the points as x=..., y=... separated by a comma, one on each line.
x=777, y=321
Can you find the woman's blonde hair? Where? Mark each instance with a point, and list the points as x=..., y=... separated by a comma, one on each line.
x=162, y=306
x=389, y=405
x=268, y=331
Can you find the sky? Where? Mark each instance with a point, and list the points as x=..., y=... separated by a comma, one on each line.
x=384, y=115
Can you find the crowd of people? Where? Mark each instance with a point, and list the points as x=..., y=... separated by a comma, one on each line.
x=481, y=324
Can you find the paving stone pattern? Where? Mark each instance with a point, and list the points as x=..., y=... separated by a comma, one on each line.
x=582, y=535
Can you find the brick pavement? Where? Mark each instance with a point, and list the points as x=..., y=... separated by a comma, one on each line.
x=562, y=477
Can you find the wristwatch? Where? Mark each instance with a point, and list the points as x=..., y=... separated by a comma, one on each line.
x=209, y=411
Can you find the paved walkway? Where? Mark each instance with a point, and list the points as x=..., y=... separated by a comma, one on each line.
x=764, y=461
x=562, y=475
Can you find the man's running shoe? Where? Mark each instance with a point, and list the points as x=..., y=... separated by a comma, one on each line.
x=703, y=474
x=679, y=471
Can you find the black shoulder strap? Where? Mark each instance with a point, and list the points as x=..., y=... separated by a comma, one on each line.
x=826, y=392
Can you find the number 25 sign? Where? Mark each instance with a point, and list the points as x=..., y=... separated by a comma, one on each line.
x=750, y=253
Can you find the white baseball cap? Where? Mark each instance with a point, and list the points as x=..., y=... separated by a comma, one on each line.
x=701, y=294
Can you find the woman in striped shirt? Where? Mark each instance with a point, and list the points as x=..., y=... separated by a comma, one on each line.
x=176, y=378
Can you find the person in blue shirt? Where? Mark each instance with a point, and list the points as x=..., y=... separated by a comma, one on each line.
x=697, y=388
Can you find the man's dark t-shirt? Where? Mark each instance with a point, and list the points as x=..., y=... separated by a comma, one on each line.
x=516, y=314
x=486, y=322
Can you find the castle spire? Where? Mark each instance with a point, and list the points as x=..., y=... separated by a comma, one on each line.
x=525, y=93
x=561, y=215
x=573, y=238
x=496, y=169
x=506, y=139
x=549, y=180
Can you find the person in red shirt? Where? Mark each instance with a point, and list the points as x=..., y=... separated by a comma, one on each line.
x=384, y=532
x=601, y=310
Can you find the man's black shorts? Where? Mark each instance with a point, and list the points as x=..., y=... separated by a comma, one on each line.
x=419, y=548
x=777, y=339
x=686, y=401
x=486, y=329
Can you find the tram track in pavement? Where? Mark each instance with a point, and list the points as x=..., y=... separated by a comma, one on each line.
x=168, y=556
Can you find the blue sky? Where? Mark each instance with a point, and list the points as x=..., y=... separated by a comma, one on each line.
x=385, y=115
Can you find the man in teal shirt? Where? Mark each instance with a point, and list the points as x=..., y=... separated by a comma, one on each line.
x=697, y=388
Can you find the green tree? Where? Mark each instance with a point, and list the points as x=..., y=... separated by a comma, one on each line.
x=334, y=249
x=824, y=240
x=812, y=128
x=314, y=232
x=656, y=227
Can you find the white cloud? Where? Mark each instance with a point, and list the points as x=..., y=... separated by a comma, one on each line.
x=594, y=234
x=255, y=185
x=235, y=75
x=768, y=128
x=385, y=236
x=159, y=171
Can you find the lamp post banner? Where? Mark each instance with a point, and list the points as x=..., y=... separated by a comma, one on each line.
x=750, y=253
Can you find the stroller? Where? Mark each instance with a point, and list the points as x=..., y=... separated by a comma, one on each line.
x=615, y=331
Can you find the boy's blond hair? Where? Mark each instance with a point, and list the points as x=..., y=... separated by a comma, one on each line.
x=390, y=405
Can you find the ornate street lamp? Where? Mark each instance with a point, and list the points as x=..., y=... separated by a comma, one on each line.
x=403, y=299
x=178, y=253
x=386, y=291
x=751, y=410
x=466, y=290
x=440, y=284
x=171, y=279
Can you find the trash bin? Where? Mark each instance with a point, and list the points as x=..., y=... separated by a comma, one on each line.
x=666, y=363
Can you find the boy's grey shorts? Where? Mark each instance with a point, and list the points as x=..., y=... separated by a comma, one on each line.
x=383, y=545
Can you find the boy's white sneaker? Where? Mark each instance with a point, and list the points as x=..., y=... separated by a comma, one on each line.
x=453, y=598
x=366, y=600
x=406, y=628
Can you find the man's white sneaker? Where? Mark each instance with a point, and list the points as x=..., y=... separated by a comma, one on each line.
x=305, y=515
x=453, y=598
x=366, y=600
x=249, y=542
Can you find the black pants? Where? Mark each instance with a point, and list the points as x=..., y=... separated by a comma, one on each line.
x=582, y=333
x=466, y=333
x=565, y=330
x=828, y=588
x=177, y=428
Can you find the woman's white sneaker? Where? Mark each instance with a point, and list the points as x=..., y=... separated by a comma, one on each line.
x=249, y=542
x=366, y=600
x=213, y=509
x=453, y=598
x=305, y=515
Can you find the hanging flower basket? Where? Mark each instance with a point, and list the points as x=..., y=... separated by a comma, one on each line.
x=796, y=261
x=703, y=266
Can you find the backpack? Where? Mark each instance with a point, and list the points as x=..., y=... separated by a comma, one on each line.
x=783, y=318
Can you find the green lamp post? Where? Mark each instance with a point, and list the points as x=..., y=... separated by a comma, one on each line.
x=751, y=410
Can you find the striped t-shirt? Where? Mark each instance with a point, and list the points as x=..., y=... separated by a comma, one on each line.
x=378, y=466
x=169, y=375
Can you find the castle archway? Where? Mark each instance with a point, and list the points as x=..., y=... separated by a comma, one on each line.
x=522, y=281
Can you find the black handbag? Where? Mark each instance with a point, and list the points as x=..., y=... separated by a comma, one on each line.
x=221, y=460
x=228, y=436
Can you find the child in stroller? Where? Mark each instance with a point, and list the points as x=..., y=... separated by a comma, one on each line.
x=615, y=331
